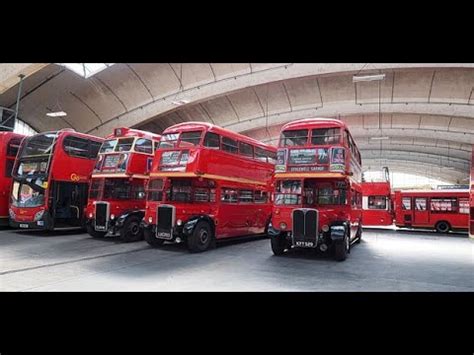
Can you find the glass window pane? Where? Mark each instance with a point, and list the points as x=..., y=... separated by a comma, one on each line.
x=190, y=139
x=229, y=145
x=143, y=145
x=212, y=140
x=294, y=138
x=245, y=149
x=322, y=136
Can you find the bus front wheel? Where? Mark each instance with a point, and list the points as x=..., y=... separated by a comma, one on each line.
x=342, y=248
x=93, y=233
x=131, y=230
x=442, y=227
x=278, y=244
x=201, y=238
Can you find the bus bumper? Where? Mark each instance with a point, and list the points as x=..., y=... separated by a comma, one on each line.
x=42, y=225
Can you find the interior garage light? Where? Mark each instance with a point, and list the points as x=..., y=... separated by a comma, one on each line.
x=356, y=79
x=378, y=138
x=86, y=70
x=56, y=114
x=180, y=102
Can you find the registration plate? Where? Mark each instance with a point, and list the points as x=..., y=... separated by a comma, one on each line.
x=163, y=235
x=305, y=244
x=22, y=225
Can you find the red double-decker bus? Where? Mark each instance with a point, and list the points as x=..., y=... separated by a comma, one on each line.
x=377, y=204
x=117, y=201
x=9, y=144
x=318, y=196
x=51, y=178
x=443, y=210
x=471, y=218
x=207, y=183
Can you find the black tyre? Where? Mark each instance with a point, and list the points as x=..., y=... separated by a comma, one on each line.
x=93, y=233
x=201, y=239
x=151, y=239
x=131, y=231
x=442, y=227
x=359, y=235
x=279, y=244
x=342, y=248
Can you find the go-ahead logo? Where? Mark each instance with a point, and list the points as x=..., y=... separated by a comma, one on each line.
x=75, y=177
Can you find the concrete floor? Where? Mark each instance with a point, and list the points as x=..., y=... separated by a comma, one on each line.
x=386, y=260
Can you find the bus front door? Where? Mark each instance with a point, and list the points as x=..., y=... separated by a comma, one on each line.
x=421, y=214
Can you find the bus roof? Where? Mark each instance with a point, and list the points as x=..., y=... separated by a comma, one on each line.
x=69, y=130
x=306, y=123
x=131, y=132
x=206, y=126
x=440, y=192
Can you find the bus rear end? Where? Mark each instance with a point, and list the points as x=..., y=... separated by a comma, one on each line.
x=376, y=204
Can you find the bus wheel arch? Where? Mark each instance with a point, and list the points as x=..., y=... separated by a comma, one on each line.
x=131, y=230
x=442, y=227
x=202, y=236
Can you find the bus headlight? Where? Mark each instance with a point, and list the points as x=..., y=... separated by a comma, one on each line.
x=179, y=222
x=325, y=228
x=283, y=225
x=12, y=214
x=150, y=220
x=112, y=216
x=38, y=215
x=91, y=215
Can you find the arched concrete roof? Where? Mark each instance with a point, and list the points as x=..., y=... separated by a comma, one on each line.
x=426, y=110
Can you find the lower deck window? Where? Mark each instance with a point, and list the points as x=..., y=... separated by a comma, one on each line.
x=443, y=204
x=377, y=203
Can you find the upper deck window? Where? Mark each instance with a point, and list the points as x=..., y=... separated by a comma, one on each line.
x=245, y=149
x=294, y=138
x=323, y=136
x=169, y=140
x=76, y=147
x=108, y=146
x=41, y=144
x=143, y=145
x=13, y=145
x=229, y=145
x=212, y=140
x=124, y=145
x=190, y=139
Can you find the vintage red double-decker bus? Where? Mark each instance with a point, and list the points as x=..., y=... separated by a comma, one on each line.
x=443, y=210
x=377, y=204
x=471, y=204
x=207, y=183
x=117, y=201
x=318, y=196
x=9, y=144
x=51, y=178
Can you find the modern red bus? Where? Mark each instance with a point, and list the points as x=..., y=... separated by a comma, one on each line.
x=51, y=178
x=9, y=144
x=117, y=201
x=471, y=218
x=443, y=210
x=207, y=183
x=377, y=204
x=318, y=196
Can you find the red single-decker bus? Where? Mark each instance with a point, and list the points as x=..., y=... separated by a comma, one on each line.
x=442, y=210
x=471, y=218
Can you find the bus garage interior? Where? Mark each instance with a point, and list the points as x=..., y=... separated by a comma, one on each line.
x=395, y=157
